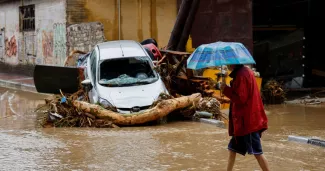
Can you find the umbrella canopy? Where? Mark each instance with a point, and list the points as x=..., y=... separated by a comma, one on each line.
x=219, y=53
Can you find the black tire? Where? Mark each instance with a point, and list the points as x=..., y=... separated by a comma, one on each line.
x=148, y=41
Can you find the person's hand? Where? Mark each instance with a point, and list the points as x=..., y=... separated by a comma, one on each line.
x=226, y=74
x=222, y=86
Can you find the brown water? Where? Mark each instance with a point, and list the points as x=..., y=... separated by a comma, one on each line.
x=174, y=146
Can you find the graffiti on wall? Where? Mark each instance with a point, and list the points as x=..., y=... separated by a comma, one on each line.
x=59, y=42
x=47, y=47
x=11, y=46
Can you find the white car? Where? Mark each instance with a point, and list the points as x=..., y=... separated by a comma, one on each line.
x=120, y=74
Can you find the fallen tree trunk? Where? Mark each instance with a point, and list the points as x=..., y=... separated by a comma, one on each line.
x=162, y=109
x=69, y=61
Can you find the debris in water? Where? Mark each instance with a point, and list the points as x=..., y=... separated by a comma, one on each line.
x=63, y=99
x=62, y=113
x=273, y=93
x=77, y=112
x=307, y=100
x=211, y=105
x=162, y=97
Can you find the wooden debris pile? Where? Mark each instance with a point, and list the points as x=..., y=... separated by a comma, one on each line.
x=210, y=105
x=273, y=93
x=165, y=70
x=161, y=97
x=74, y=111
x=61, y=113
x=179, y=80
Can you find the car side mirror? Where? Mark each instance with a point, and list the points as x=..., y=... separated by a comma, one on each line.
x=86, y=84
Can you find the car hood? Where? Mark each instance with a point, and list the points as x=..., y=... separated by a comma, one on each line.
x=133, y=96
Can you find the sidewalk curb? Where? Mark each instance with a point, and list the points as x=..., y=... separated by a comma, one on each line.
x=307, y=140
x=17, y=86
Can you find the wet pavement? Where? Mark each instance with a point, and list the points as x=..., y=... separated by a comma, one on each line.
x=17, y=78
x=18, y=82
x=173, y=146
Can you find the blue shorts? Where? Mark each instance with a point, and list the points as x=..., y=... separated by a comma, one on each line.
x=250, y=144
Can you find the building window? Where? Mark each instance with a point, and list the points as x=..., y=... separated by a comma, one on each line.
x=27, y=18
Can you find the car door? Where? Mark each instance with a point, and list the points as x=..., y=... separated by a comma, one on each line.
x=92, y=75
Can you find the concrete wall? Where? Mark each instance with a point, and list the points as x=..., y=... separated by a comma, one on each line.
x=140, y=19
x=85, y=36
x=45, y=45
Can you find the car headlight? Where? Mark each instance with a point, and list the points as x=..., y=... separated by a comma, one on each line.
x=105, y=104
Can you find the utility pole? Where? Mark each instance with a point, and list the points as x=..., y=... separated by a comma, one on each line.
x=179, y=24
x=188, y=26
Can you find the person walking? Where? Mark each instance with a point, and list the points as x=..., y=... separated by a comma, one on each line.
x=247, y=118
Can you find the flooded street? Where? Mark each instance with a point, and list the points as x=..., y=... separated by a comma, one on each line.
x=174, y=146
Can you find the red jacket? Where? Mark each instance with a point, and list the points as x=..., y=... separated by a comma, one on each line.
x=247, y=110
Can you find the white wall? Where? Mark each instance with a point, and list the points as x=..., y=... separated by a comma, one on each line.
x=45, y=45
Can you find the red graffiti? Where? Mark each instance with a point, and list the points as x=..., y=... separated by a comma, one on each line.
x=11, y=46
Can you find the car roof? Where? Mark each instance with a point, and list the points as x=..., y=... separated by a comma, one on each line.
x=120, y=49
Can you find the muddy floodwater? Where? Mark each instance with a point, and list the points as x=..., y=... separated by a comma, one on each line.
x=173, y=146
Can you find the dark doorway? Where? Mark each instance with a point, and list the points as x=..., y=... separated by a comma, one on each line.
x=287, y=40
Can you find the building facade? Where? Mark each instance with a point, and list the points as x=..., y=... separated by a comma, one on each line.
x=223, y=20
x=46, y=31
x=32, y=32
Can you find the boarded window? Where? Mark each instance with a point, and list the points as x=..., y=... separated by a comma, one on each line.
x=27, y=18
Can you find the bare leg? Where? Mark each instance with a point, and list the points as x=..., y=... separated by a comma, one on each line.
x=262, y=162
x=231, y=160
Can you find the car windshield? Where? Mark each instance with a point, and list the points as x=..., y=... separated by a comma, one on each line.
x=127, y=72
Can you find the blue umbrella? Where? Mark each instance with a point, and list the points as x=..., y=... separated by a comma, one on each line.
x=218, y=54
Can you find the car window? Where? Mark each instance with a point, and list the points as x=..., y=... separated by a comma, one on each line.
x=126, y=72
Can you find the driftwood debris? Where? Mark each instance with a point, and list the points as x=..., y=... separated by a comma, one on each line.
x=162, y=109
x=74, y=111
x=70, y=60
x=273, y=93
